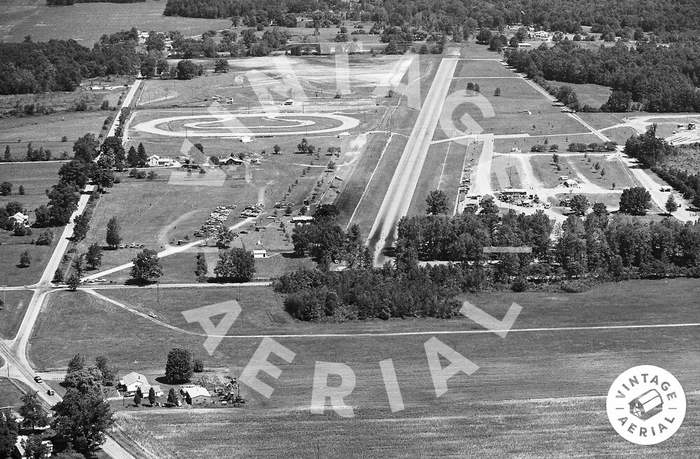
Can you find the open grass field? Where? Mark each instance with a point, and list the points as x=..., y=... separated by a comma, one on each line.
x=15, y=304
x=529, y=386
x=431, y=176
x=10, y=393
x=611, y=171
x=506, y=173
x=603, y=119
x=588, y=94
x=507, y=113
x=87, y=22
x=36, y=178
x=620, y=134
x=162, y=211
x=48, y=130
x=473, y=69
x=524, y=144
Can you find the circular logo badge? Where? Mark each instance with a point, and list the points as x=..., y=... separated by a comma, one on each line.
x=646, y=405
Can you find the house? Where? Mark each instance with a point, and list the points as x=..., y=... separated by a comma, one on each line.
x=229, y=160
x=198, y=394
x=302, y=219
x=570, y=183
x=20, y=451
x=260, y=253
x=157, y=161
x=17, y=220
x=132, y=381
x=522, y=46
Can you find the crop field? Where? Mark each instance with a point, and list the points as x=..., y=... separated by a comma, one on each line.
x=15, y=304
x=552, y=379
x=87, y=22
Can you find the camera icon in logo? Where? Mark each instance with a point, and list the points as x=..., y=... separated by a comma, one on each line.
x=647, y=405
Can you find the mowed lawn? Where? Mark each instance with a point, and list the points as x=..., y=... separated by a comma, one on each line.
x=87, y=22
x=12, y=312
x=36, y=178
x=10, y=393
x=157, y=212
x=510, y=109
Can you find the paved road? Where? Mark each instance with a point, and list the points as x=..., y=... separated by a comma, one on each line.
x=403, y=184
x=126, y=102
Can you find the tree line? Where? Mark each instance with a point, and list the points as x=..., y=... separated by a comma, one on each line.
x=60, y=65
x=648, y=77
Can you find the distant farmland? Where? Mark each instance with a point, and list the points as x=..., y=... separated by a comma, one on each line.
x=87, y=22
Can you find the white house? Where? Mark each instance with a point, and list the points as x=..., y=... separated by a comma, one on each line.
x=260, y=253
x=19, y=219
x=157, y=161
x=132, y=381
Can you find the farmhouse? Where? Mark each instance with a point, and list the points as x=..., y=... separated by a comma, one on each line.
x=18, y=220
x=302, y=219
x=157, y=161
x=197, y=394
x=132, y=381
x=229, y=160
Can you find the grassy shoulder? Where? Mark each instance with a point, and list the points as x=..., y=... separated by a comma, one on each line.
x=12, y=312
x=11, y=392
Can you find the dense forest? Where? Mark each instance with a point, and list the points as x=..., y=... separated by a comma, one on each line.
x=60, y=65
x=665, y=19
x=648, y=77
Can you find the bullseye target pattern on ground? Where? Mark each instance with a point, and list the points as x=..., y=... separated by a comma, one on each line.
x=249, y=124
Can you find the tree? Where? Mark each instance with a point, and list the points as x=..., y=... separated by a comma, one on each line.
x=8, y=433
x=141, y=155
x=202, y=269
x=436, y=202
x=108, y=373
x=82, y=225
x=76, y=363
x=81, y=419
x=671, y=204
x=635, y=201
x=5, y=188
x=84, y=380
x=276, y=149
x=8, y=155
x=132, y=158
x=198, y=366
x=73, y=282
x=178, y=369
x=221, y=66
x=113, y=238
x=579, y=205
x=138, y=396
x=42, y=216
x=20, y=190
x=186, y=70
x=497, y=92
x=173, y=399
x=93, y=256
x=147, y=267
x=77, y=264
x=484, y=36
x=25, y=260
x=152, y=396
x=35, y=448
x=85, y=148
x=45, y=238
x=32, y=411
x=235, y=265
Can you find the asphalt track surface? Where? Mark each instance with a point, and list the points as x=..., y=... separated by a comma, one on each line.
x=290, y=124
x=403, y=184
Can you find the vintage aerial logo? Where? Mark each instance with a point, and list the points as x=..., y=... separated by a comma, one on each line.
x=646, y=405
